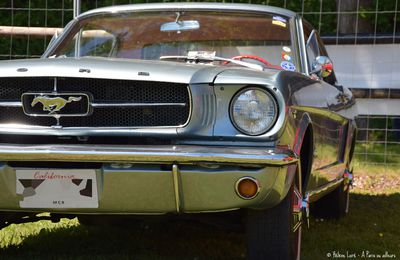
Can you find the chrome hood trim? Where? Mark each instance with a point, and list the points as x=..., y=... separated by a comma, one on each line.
x=245, y=76
x=106, y=68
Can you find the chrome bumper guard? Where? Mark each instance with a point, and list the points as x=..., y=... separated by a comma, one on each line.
x=147, y=154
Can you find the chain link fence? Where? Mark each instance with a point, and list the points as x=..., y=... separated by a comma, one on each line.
x=363, y=28
x=16, y=44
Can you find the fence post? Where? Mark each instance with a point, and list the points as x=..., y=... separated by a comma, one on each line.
x=77, y=7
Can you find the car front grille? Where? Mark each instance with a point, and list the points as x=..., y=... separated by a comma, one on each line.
x=114, y=103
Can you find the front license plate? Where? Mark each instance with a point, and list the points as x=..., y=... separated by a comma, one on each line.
x=47, y=188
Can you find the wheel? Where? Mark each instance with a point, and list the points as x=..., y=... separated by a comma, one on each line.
x=334, y=205
x=275, y=233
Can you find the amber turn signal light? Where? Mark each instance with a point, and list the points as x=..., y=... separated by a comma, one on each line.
x=247, y=188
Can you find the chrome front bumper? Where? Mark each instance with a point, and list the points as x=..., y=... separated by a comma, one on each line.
x=161, y=179
x=146, y=154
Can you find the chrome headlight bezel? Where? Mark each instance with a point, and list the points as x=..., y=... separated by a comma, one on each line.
x=240, y=128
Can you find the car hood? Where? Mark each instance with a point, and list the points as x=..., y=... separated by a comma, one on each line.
x=146, y=70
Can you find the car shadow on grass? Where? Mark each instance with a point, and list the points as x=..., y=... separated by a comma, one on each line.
x=372, y=226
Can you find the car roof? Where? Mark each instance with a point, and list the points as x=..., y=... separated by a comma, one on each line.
x=189, y=6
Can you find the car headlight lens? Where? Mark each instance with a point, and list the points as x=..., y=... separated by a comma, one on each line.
x=253, y=111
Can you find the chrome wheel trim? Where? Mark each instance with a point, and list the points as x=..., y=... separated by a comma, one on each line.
x=297, y=209
x=298, y=243
x=297, y=220
x=347, y=199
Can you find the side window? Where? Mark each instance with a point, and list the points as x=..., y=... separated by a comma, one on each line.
x=331, y=79
x=97, y=43
x=312, y=49
x=91, y=43
x=315, y=48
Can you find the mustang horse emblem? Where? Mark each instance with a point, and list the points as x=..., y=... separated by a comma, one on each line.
x=53, y=104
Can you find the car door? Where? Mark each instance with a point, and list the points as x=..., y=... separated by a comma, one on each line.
x=329, y=128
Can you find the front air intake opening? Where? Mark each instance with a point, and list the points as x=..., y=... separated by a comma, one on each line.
x=82, y=140
x=55, y=165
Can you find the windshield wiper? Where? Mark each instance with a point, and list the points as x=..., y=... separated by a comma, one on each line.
x=210, y=58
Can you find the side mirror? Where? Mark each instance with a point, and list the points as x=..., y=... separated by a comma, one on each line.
x=322, y=66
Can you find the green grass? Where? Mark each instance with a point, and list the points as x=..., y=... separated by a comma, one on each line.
x=371, y=147
x=371, y=226
x=378, y=153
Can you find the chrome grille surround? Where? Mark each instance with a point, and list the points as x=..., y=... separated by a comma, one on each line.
x=114, y=103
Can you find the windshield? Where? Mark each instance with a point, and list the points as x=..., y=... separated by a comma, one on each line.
x=154, y=35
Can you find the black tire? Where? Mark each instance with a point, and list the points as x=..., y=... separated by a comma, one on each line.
x=333, y=205
x=270, y=232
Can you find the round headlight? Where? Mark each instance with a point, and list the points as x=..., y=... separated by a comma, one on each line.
x=253, y=111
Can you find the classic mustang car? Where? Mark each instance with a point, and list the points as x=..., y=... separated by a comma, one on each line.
x=179, y=108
